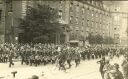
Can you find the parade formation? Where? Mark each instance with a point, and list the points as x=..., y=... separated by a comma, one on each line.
x=63, y=56
x=48, y=53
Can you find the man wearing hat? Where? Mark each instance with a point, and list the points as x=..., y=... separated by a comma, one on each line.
x=116, y=73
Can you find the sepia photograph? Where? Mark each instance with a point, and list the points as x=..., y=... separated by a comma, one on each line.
x=63, y=39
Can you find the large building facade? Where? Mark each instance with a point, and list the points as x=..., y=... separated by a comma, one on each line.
x=2, y=22
x=10, y=11
x=83, y=18
x=119, y=13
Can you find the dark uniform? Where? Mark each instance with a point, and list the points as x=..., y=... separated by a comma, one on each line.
x=10, y=60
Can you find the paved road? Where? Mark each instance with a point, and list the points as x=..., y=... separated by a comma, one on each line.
x=86, y=70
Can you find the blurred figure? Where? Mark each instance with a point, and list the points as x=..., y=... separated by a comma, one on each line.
x=102, y=63
x=34, y=77
x=116, y=73
x=106, y=69
x=125, y=66
x=10, y=60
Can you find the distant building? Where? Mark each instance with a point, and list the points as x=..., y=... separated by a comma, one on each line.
x=2, y=21
x=10, y=11
x=83, y=17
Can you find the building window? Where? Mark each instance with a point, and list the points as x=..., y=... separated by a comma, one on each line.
x=71, y=3
x=96, y=14
x=0, y=15
x=60, y=12
x=71, y=6
x=92, y=14
x=83, y=19
x=82, y=23
x=77, y=8
x=61, y=18
x=115, y=28
x=71, y=18
x=61, y=4
x=91, y=1
x=83, y=10
x=71, y=9
x=88, y=8
x=78, y=4
x=88, y=22
x=40, y=2
x=76, y=20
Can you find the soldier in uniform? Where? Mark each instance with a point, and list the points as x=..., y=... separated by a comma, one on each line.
x=6, y=58
x=69, y=60
x=88, y=54
x=83, y=54
x=32, y=58
x=62, y=60
x=22, y=54
x=36, y=59
x=77, y=59
x=10, y=60
x=1, y=57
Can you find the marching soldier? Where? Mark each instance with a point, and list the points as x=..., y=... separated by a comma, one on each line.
x=62, y=60
x=22, y=56
x=32, y=58
x=10, y=60
x=77, y=59
x=69, y=60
